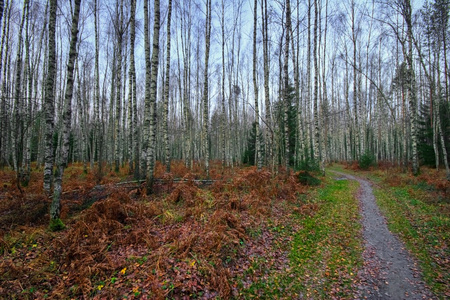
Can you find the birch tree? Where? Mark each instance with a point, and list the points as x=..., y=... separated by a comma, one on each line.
x=28, y=91
x=184, y=80
x=309, y=132
x=98, y=135
x=132, y=122
x=136, y=132
x=317, y=156
x=151, y=155
x=55, y=208
x=3, y=105
x=286, y=100
x=17, y=120
x=147, y=103
x=205, y=98
x=268, y=116
x=256, y=89
x=166, y=92
x=49, y=100
x=119, y=31
x=406, y=11
x=224, y=117
x=356, y=131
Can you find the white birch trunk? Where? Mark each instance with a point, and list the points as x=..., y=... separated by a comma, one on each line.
x=256, y=90
x=205, y=98
x=49, y=101
x=166, y=93
x=151, y=155
x=55, y=208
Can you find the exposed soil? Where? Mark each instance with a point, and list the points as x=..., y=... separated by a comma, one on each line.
x=389, y=272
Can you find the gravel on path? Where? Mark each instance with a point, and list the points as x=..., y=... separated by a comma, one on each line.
x=389, y=272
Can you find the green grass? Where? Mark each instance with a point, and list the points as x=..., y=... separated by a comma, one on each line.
x=423, y=228
x=324, y=254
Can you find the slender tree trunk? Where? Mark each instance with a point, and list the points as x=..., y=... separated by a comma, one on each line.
x=147, y=103
x=49, y=101
x=442, y=140
x=42, y=142
x=124, y=130
x=446, y=72
x=317, y=158
x=66, y=117
x=256, y=90
x=28, y=79
x=184, y=85
x=134, y=131
x=286, y=85
x=97, y=137
x=433, y=119
x=18, y=104
x=205, y=100
x=198, y=109
x=325, y=106
x=166, y=93
x=348, y=135
x=300, y=146
x=131, y=83
x=357, y=145
x=309, y=134
x=268, y=117
x=404, y=154
x=407, y=15
x=151, y=155
x=119, y=28
x=224, y=117
x=3, y=110
x=82, y=116
x=438, y=121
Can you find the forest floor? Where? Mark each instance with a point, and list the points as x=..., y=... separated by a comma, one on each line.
x=247, y=235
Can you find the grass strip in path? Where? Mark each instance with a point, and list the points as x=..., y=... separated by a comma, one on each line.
x=324, y=253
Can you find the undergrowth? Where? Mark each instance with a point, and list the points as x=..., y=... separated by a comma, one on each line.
x=366, y=160
x=184, y=241
x=56, y=225
x=249, y=234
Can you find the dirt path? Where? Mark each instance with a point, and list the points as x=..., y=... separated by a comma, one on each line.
x=388, y=272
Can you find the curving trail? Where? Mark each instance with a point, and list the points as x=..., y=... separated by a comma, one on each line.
x=388, y=272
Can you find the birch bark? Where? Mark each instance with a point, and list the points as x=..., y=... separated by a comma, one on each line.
x=18, y=105
x=3, y=111
x=255, y=88
x=268, y=117
x=286, y=85
x=119, y=29
x=407, y=15
x=151, y=155
x=49, y=100
x=166, y=93
x=205, y=98
x=55, y=208
x=317, y=158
